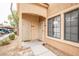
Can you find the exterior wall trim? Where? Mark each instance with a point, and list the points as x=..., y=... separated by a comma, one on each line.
x=43, y=5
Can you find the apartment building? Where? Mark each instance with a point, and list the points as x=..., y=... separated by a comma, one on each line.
x=55, y=24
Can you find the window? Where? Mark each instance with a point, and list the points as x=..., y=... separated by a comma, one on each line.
x=71, y=26
x=54, y=27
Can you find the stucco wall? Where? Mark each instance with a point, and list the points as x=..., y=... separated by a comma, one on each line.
x=68, y=47
x=33, y=9
x=58, y=7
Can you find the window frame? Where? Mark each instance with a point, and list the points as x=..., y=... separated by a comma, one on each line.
x=77, y=9
x=53, y=19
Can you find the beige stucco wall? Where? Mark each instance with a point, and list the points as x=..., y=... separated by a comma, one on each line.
x=42, y=28
x=68, y=47
x=58, y=7
x=33, y=8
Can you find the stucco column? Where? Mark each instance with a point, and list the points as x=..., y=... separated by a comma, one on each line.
x=20, y=30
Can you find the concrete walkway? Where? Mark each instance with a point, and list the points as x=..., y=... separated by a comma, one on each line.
x=38, y=49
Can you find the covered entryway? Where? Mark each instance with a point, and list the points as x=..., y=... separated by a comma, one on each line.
x=33, y=27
